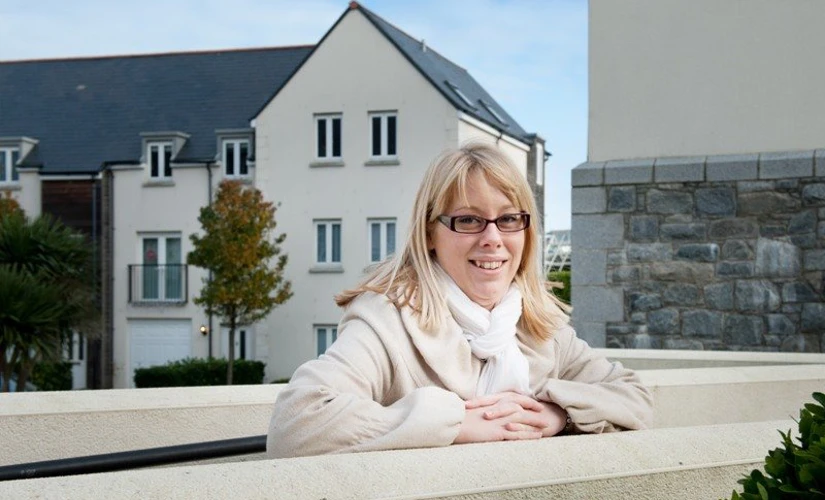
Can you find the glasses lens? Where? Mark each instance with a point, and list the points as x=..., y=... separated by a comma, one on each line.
x=469, y=224
x=512, y=222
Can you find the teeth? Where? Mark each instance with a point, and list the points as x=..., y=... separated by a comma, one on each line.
x=488, y=265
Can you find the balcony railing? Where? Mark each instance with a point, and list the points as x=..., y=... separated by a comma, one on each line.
x=158, y=284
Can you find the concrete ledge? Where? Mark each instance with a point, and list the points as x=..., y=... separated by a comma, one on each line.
x=588, y=174
x=786, y=164
x=698, y=462
x=657, y=359
x=680, y=169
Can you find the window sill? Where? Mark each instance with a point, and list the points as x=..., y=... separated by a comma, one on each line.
x=159, y=183
x=327, y=163
x=10, y=186
x=326, y=268
x=158, y=303
x=382, y=162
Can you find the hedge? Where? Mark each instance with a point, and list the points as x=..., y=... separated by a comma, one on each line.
x=199, y=372
x=52, y=376
x=564, y=278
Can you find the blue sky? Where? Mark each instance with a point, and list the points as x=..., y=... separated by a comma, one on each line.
x=531, y=55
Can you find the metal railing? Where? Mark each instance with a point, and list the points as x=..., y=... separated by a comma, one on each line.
x=158, y=284
x=109, y=462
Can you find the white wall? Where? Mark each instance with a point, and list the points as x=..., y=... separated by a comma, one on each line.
x=29, y=194
x=697, y=77
x=355, y=71
x=472, y=130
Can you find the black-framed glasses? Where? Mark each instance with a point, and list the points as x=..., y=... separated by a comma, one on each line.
x=471, y=224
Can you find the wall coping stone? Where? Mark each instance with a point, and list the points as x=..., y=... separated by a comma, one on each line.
x=819, y=163
x=786, y=164
x=588, y=174
x=732, y=167
x=638, y=171
x=679, y=169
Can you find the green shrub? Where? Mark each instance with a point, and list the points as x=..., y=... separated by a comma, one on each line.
x=52, y=376
x=198, y=372
x=562, y=277
x=794, y=471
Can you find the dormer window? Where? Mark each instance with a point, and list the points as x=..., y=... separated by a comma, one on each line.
x=489, y=107
x=236, y=157
x=159, y=155
x=9, y=157
x=460, y=94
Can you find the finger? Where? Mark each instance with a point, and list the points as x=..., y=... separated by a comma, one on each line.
x=519, y=427
x=501, y=410
x=527, y=402
x=517, y=435
x=488, y=400
x=530, y=418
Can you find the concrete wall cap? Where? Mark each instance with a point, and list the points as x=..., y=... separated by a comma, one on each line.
x=588, y=174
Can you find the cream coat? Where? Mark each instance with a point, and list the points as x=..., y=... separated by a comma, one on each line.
x=386, y=384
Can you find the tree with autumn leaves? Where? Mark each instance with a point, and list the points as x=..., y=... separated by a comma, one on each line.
x=237, y=247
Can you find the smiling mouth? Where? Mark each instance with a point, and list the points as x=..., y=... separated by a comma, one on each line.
x=488, y=264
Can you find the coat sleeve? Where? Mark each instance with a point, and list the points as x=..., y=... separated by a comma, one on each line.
x=599, y=395
x=334, y=403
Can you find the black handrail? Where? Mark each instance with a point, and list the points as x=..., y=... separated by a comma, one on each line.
x=133, y=459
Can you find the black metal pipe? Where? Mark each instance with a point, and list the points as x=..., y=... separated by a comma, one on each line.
x=134, y=459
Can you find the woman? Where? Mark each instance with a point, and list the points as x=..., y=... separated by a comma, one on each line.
x=455, y=339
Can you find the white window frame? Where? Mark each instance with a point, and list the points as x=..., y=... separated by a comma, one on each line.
x=163, y=239
x=236, y=157
x=8, y=163
x=383, y=146
x=330, y=333
x=383, y=236
x=162, y=166
x=329, y=244
x=329, y=142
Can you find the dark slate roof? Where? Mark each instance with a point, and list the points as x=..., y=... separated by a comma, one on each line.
x=90, y=111
x=439, y=70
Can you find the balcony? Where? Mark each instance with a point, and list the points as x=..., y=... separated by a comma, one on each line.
x=155, y=284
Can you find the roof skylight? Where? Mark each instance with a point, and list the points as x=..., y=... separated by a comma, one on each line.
x=460, y=94
x=489, y=107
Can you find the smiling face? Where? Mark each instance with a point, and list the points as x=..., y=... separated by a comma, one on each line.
x=484, y=264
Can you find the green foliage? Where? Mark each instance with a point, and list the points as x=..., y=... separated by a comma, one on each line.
x=52, y=376
x=793, y=471
x=199, y=372
x=236, y=248
x=562, y=278
x=46, y=290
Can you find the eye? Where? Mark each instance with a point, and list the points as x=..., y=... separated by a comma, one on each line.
x=467, y=220
x=509, y=218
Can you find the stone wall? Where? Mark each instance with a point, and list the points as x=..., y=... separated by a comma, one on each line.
x=718, y=252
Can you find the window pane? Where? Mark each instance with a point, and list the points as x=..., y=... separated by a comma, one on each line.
x=391, y=135
x=153, y=160
x=336, y=137
x=376, y=136
x=334, y=334
x=229, y=158
x=375, y=242
x=173, y=251
x=321, y=240
x=15, y=157
x=151, y=283
x=390, y=238
x=167, y=161
x=243, y=167
x=3, y=159
x=321, y=333
x=173, y=270
x=322, y=138
x=336, y=243
x=242, y=342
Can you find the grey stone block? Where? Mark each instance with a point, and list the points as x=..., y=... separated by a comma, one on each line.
x=776, y=259
x=786, y=164
x=757, y=296
x=813, y=194
x=622, y=199
x=733, y=228
x=719, y=296
x=684, y=272
x=802, y=222
x=781, y=325
x=813, y=318
x=731, y=167
x=648, y=252
x=625, y=275
x=681, y=294
x=699, y=252
x=716, y=202
x=641, y=302
x=735, y=269
x=616, y=258
x=737, y=250
x=592, y=332
x=597, y=232
x=588, y=200
x=819, y=163
x=804, y=241
x=773, y=230
x=799, y=292
x=815, y=260
x=820, y=232
x=683, y=231
x=643, y=341
x=669, y=202
x=644, y=228
x=743, y=330
x=685, y=169
x=682, y=344
x=663, y=321
x=702, y=323
x=588, y=174
x=787, y=185
x=598, y=303
x=629, y=172
x=801, y=343
x=767, y=203
x=588, y=267
x=755, y=186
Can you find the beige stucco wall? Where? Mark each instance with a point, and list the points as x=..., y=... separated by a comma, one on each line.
x=700, y=77
x=354, y=71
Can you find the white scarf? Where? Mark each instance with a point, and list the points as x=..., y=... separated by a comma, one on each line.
x=492, y=337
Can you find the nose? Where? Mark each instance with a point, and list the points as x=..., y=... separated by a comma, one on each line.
x=491, y=236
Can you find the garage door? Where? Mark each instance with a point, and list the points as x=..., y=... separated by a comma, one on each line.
x=156, y=342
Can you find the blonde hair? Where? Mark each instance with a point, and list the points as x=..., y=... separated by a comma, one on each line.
x=408, y=278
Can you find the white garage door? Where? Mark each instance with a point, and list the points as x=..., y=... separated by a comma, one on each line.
x=158, y=341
